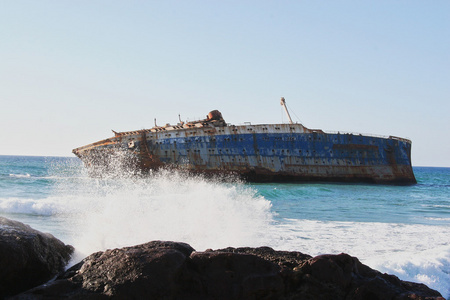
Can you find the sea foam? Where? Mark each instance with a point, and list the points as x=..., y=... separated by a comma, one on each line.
x=418, y=253
x=20, y=175
x=42, y=207
x=117, y=212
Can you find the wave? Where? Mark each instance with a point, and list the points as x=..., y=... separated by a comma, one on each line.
x=440, y=206
x=20, y=175
x=39, y=207
x=419, y=253
x=173, y=207
x=46, y=177
x=95, y=214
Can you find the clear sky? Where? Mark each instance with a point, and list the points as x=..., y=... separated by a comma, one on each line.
x=70, y=71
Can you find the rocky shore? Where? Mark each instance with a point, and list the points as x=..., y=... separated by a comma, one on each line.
x=30, y=260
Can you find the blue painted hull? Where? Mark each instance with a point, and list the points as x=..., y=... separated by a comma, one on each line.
x=292, y=157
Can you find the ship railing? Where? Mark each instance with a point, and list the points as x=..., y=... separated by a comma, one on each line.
x=370, y=135
x=400, y=139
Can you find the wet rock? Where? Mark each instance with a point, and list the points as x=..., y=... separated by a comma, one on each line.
x=227, y=275
x=345, y=277
x=28, y=257
x=169, y=270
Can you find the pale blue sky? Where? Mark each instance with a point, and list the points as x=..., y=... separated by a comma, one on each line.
x=70, y=71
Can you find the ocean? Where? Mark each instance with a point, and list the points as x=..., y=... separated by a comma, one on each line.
x=400, y=230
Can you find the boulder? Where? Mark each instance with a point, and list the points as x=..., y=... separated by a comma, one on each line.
x=28, y=258
x=170, y=270
x=345, y=277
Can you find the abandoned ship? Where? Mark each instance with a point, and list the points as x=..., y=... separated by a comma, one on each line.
x=258, y=153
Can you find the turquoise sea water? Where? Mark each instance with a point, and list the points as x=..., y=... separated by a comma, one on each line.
x=401, y=230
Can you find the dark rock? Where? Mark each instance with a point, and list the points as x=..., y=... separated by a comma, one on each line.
x=169, y=270
x=28, y=257
x=237, y=276
x=285, y=259
x=345, y=277
x=149, y=271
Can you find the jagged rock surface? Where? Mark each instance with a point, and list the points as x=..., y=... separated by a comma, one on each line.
x=28, y=257
x=169, y=270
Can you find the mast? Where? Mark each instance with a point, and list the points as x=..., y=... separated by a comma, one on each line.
x=283, y=103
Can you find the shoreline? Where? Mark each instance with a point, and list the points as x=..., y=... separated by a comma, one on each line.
x=172, y=270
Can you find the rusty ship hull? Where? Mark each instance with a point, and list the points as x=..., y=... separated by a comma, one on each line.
x=257, y=153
